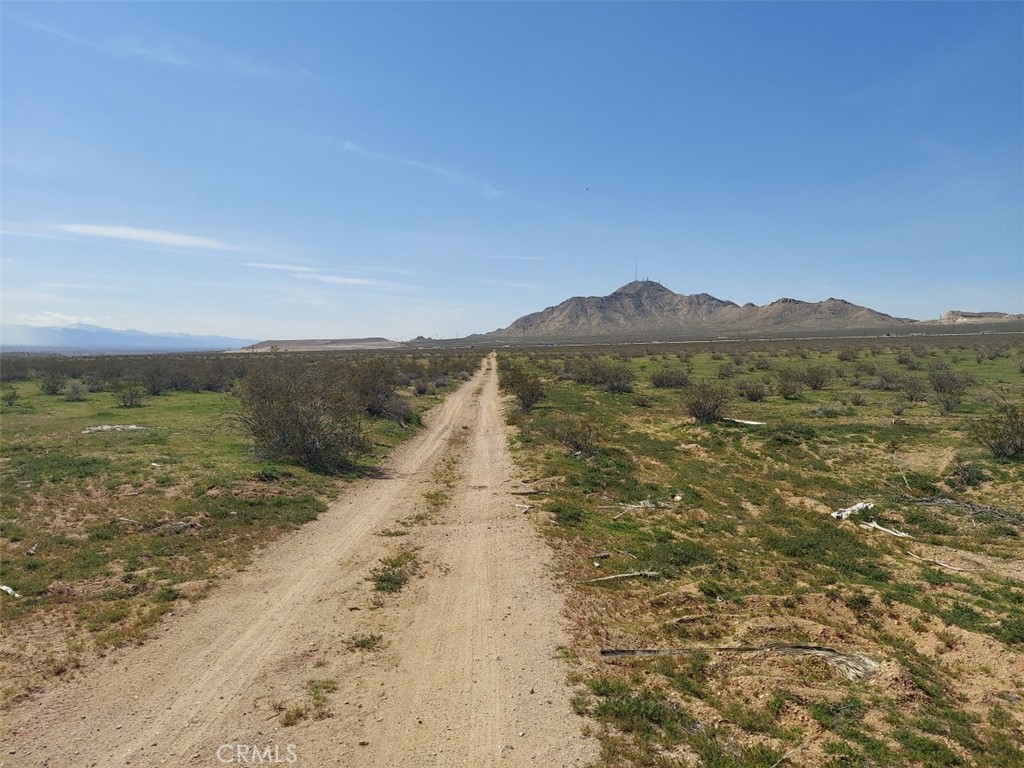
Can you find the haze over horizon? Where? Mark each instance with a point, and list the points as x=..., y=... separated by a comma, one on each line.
x=337, y=170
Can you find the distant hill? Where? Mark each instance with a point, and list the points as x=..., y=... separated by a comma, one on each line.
x=321, y=345
x=92, y=338
x=645, y=307
x=958, y=317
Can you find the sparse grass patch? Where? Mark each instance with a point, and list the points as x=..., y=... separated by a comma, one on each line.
x=394, y=571
x=735, y=518
x=366, y=641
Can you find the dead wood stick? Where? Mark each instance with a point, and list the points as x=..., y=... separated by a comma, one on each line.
x=873, y=525
x=632, y=574
x=789, y=754
x=939, y=562
x=681, y=651
x=977, y=509
x=853, y=666
x=902, y=473
x=624, y=552
x=685, y=619
x=128, y=520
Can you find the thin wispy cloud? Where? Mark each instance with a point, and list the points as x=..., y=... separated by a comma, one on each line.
x=350, y=281
x=318, y=275
x=148, y=236
x=279, y=267
x=26, y=233
x=390, y=270
x=174, y=51
x=485, y=191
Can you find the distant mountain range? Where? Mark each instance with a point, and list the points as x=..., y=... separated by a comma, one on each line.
x=92, y=338
x=641, y=310
x=647, y=308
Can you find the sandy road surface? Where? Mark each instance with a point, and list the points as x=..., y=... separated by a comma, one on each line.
x=467, y=676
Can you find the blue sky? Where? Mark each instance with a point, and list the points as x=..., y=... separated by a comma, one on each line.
x=276, y=170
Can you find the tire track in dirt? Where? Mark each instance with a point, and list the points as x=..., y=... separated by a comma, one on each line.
x=468, y=676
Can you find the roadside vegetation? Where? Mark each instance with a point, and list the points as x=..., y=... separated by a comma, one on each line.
x=702, y=477
x=130, y=484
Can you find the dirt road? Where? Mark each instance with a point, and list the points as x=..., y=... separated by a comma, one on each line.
x=467, y=673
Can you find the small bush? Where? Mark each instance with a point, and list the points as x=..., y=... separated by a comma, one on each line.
x=754, y=391
x=610, y=376
x=946, y=381
x=294, y=412
x=668, y=378
x=578, y=435
x=963, y=474
x=727, y=370
x=53, y=382
x=396, y=408
x=705, y=400
x=914, y=389
x=1001, y=432
x=947, y=401
x=826, y=411
x=528, y=392
x=156, y=381
x=371, y=383
x=908, y=360
x=789, y=383
x=130, y=393
x=816, y=377
x=11, y=396
x=525, y=387
x=848, y=355
x=74, y=393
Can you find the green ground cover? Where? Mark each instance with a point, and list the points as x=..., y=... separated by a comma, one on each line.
x=734, y=519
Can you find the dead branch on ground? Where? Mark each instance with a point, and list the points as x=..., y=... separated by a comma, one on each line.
x=632, y=574
x=853, y=666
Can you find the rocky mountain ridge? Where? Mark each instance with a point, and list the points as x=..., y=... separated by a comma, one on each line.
x=648, y=307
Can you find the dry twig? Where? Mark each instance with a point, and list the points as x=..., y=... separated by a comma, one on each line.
x=939, y=562
x=632, y=574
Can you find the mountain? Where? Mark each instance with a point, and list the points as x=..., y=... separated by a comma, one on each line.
x=92, y=338
x=645, y=307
